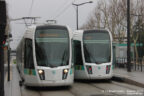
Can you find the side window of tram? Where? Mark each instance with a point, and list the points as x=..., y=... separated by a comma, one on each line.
x=77, y=53
x=28, y=54
x=72, y=41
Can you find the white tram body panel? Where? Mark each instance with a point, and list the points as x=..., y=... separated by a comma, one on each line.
x=37, y=73
x=50, y=78
x=90, y=70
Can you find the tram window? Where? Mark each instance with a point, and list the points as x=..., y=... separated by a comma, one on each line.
x=19, y=53
x=52, y=46
x=72, y=51
x=77, y=53
x=97, y=47
x=28, y=57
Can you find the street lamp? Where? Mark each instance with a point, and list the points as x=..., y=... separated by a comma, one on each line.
x=77, y=10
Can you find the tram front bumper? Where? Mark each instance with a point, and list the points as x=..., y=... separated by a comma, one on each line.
x=101, y=77
x=44, y=83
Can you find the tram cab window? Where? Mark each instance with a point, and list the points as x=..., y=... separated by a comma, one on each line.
x=28, y=54
x=52, y=46
x=77, y=53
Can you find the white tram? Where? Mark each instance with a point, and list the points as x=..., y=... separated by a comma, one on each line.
x=93, y=54
x=44, y=56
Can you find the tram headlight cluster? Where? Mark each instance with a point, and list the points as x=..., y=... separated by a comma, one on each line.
x=65, y=73
x=89, y=69
x=108, y=69
x=40, y=71
x=41, y=74
x=65, y=70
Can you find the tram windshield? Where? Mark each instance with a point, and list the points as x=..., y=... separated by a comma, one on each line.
x=52, y=46
x=97, y=46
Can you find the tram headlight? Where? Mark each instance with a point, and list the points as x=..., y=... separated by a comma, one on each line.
x=40, y=71
x=65, y=70
x=65, y=73
x=41, y=74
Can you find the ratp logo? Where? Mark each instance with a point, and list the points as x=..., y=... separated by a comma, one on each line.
x=99, y=67
x=53, y=72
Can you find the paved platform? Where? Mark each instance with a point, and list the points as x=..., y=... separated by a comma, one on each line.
x=134, y=77
x=12, y=87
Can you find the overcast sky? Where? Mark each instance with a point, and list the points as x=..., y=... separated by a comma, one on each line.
x=61, y=10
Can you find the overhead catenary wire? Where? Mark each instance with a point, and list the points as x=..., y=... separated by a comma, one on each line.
x=31, y=7
x=64, y=10
x=61, y=6
x=60, y=13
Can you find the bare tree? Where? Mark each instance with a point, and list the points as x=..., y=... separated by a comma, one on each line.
x=113, y=16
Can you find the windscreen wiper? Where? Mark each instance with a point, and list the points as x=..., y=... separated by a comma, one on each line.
x=96, y=62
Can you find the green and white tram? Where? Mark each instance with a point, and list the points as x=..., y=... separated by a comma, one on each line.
x=44, y=56
x=93, y=54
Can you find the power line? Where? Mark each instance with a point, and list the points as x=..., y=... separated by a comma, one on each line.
x=30, y=11
x=59, y=8
x=65, y=8
x=62, y=11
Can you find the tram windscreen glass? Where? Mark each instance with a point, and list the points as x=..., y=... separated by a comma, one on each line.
x=52, y=46
x=97, y=46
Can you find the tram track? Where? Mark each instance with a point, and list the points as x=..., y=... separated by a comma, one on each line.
x=47, y=91
x=25, y=91
x=102, y=93
x=113, y=94
x=127, y=86
x=88, y=89
x=105, y=90
x=72, y=92
x=50, y=91
x=92, y=88
x=76, y=90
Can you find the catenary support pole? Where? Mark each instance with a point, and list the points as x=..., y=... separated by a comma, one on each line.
x=128, y=37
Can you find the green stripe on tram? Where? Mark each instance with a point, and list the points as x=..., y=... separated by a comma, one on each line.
x=112, y=67
x=30, y=72
x=71, y=71
x=34, y=72
x=26, y=71
x=96, y=41
x=79, y=67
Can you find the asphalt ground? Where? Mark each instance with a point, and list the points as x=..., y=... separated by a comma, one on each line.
x=79, y=88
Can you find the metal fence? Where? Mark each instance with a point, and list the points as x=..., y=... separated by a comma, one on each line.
x=135, y=65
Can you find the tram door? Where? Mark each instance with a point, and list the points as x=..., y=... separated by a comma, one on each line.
x=29, y=70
